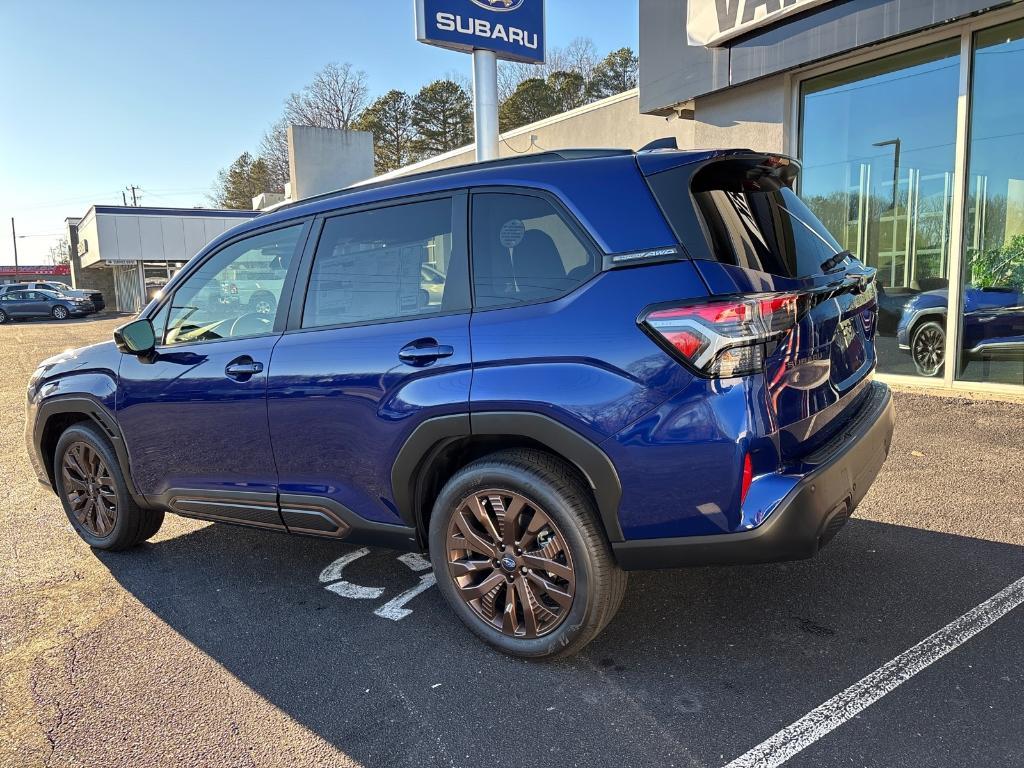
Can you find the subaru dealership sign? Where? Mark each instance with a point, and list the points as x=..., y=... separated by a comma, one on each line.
x=512, y=29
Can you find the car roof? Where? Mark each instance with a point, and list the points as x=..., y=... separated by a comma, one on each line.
x=580, y=178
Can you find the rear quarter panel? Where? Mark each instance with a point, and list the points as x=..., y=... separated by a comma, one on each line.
x=582, y=360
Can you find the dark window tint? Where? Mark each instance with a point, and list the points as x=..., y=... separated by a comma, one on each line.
x=753, y=220
x=386, y=264
x=525, y=251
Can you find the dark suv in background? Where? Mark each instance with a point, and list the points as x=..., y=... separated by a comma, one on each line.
x=545, y=371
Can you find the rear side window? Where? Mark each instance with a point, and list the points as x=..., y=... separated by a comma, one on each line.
x=385, y=264
x=752, y=218
x=525, y=251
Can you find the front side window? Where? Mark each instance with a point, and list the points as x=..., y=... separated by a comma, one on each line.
x=386, y=264
x=224, y=300
x=524, y=251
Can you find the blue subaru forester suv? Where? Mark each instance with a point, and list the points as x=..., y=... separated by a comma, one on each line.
x=545, y=371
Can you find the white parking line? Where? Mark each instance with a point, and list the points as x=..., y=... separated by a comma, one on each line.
x=840, y=708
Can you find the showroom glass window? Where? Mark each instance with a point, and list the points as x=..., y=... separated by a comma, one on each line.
x=236, y=292
x=992, y=317
x=386, y=264
x=878, y=150
x=524, y=251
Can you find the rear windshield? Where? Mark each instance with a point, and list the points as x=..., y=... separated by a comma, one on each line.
x=752, y=219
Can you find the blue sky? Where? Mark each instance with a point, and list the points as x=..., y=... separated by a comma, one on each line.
x=97, y=96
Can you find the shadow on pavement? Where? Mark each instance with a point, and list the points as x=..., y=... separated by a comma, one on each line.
x=698, y=664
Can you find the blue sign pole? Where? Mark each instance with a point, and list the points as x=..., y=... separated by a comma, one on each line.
x=512, y=30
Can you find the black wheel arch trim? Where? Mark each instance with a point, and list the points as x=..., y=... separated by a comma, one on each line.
x=95, y=411
x=432, y=435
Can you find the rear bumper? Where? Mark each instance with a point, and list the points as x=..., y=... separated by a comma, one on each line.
x=809, y=515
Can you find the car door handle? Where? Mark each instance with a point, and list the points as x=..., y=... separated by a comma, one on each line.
x=243, y=368
x=424, y=352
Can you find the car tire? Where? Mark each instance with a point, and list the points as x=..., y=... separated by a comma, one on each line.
x=94, y=494
x=263, y=304
x=4, y=317
x=568, y=532
x=928, y=348
x=60, y=313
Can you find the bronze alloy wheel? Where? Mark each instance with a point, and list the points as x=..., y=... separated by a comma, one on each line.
x=89, y=488
x=510, y=564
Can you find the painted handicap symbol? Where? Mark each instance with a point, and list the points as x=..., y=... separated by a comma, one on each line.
x=394, y=609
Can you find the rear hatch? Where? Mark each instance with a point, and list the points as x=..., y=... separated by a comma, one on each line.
x=750, y=235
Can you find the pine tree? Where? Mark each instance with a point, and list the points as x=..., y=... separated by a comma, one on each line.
x=531, y=101
x=389, y=119
x=617, y=72
x=442, y=116
x=568, y=89
x=240, y=182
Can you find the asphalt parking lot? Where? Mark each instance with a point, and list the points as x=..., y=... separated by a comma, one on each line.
x=214, y=645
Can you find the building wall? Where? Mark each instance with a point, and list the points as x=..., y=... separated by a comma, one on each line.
x=615, y=122
x=750, y=116
x=324, y=160
x=673, y=72
x=101, y=280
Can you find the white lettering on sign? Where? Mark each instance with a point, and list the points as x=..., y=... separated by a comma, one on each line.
x=452, y=22
x=712, y=22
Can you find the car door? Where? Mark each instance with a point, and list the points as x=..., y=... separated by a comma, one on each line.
x=34, y=304
x=13, y=303
x=371, y=353
x=194, y=414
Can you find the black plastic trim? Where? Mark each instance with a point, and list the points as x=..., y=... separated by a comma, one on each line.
x=405, y=470
x=425, y=440
x=359, y=529
x=91, y=407
x=248, y=508
x=595, y=465
x=804, y=521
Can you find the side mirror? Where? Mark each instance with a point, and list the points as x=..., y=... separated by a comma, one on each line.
x=136, y=338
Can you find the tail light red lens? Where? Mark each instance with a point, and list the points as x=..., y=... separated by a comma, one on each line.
x=727, y=337
x=748, y=478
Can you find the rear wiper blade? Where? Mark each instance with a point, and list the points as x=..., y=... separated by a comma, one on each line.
x=834, y=261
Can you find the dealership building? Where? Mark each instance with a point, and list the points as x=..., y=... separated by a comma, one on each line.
x=129, y=252
x=908, y=117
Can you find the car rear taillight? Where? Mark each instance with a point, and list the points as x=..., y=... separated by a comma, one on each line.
x=727, y=337
x=748, y=478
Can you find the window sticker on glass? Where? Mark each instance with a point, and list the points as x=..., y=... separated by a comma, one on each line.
x=512, y=233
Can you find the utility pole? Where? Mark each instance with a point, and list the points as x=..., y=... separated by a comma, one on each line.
x=14, y=240
x=135, y=200
x=124, y=200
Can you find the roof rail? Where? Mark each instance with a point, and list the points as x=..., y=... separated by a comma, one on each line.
x=551, y=156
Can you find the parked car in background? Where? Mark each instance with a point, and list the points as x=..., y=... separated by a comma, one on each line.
x=96, y=297
x=21, y=305
x=588, y=383
x=993, y=326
